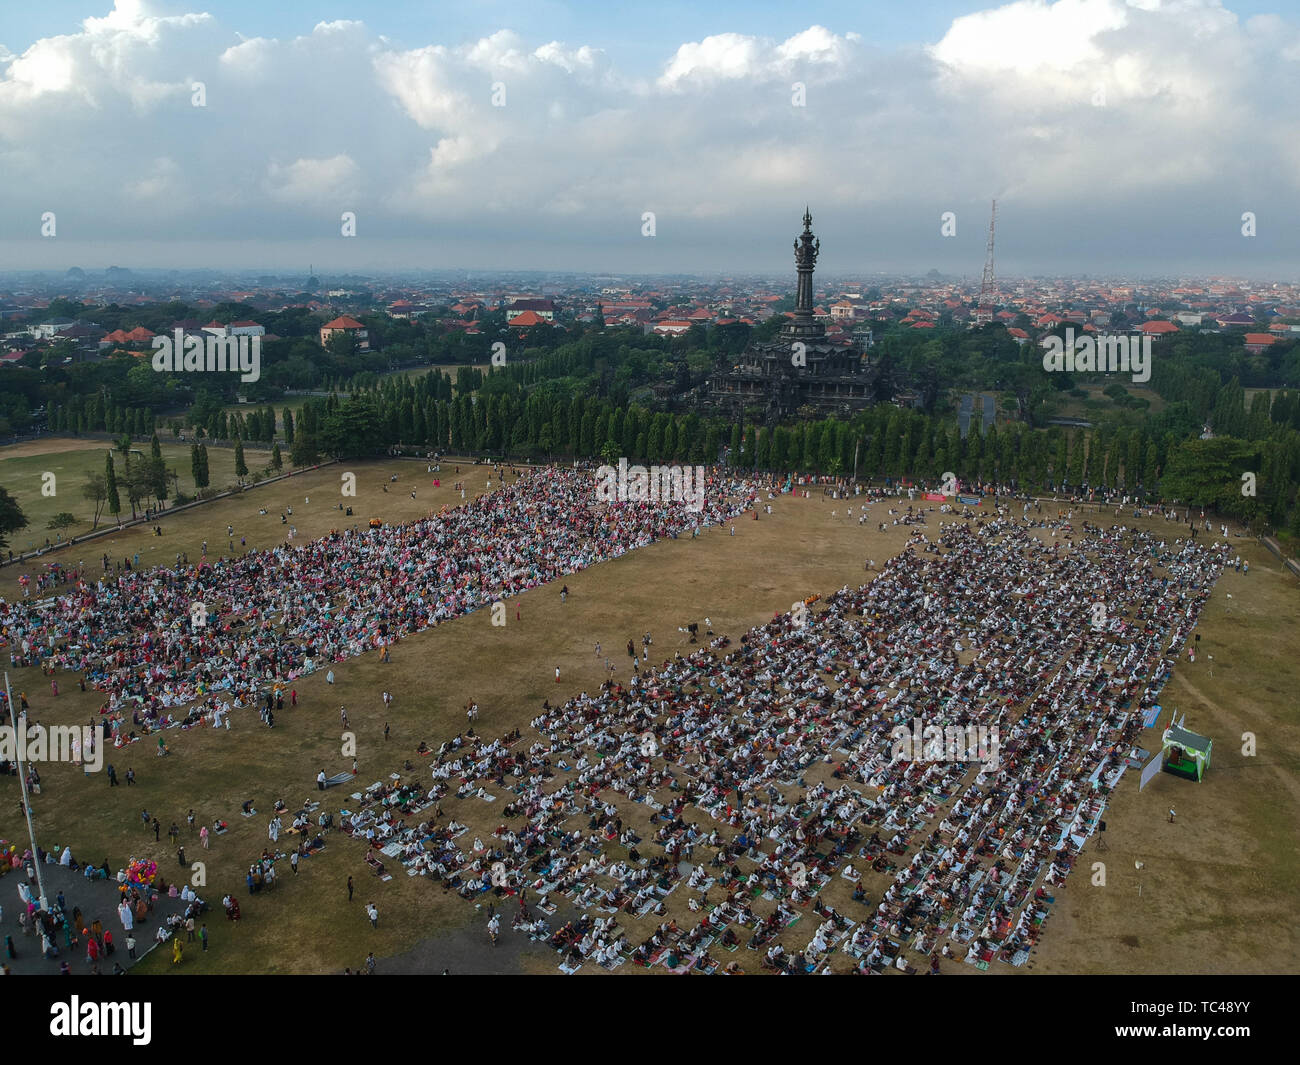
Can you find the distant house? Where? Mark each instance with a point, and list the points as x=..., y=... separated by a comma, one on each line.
x=1156, y=330
x=48, y=330
x=234, y=329
x=85, y=335
x=671, y=328
x=402, y=309
x=1257, y=342
x=527, y=319
x=1018, y=335
x=544, y=309
x=138, y=337
x=1228, y=321
x=347, y=325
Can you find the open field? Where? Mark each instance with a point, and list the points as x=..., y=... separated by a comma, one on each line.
x=1096, y=402
x=1217, y=890
x=22, y=470
x=185, y=532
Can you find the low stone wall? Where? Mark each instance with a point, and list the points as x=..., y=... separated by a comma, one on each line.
x=112, y=527
x=1276, y=549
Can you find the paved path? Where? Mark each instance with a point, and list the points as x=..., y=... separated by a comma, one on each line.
x=97, y=899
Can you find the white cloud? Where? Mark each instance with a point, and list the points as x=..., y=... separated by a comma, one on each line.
x=1198, y=106
x=315, y=182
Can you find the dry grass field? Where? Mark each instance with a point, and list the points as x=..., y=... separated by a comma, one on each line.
x=1217, y=890
x=22, y=468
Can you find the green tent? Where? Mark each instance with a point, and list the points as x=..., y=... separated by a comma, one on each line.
x=1185, y=753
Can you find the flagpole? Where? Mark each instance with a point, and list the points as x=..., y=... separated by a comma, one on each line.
x=19, y=744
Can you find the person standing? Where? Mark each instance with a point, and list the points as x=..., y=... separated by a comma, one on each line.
x=203, y=937
x=372, y=911
x=293, y=862
x=349, y=889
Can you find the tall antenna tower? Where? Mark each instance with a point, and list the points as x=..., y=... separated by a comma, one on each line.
x=986, y=283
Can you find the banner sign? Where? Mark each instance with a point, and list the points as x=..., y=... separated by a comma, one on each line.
x=972, y=501
x=1151, y=769
x=936, y=497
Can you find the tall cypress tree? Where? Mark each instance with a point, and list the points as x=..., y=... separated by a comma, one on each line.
x=110, y=476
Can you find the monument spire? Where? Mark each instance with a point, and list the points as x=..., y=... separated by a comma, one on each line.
x=806, y=249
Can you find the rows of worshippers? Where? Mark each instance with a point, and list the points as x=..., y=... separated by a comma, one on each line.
x=274, y=615
x=749, y=779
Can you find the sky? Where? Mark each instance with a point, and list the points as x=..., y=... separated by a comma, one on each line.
x=1119, y=137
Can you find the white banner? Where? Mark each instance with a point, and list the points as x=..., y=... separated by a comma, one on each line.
x=1151, y=769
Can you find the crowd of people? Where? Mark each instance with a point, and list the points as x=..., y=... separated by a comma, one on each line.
x=750, y=777
x=744, y=776
x=273, y=615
